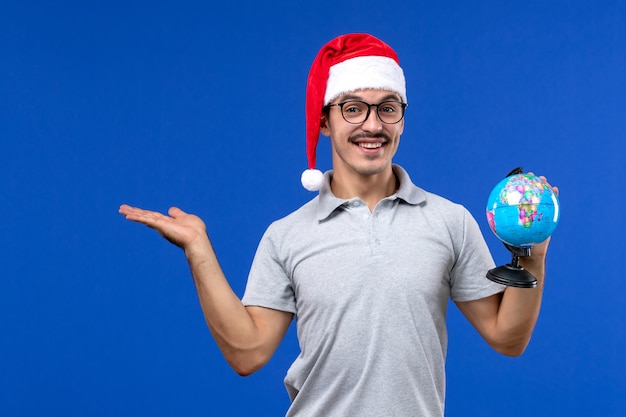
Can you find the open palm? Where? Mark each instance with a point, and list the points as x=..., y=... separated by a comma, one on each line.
x=178, y=227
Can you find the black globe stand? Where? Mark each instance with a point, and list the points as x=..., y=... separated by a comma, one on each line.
x=513, y=275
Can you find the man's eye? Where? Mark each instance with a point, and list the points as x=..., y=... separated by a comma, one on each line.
x=352, y=108
x=388, y=108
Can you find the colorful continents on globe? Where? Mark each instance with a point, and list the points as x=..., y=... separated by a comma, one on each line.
x=522, y=210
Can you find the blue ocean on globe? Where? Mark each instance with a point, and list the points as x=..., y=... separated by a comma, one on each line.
x=522, y=210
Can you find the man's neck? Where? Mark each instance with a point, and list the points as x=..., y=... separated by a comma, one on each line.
x=369, y=188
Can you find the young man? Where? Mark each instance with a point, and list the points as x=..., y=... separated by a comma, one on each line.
x=366, y=267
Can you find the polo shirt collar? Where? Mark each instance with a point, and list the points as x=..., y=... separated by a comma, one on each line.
x=408, y=192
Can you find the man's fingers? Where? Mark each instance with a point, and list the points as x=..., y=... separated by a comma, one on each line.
x=125, y=209
x=554, y=188
x=147, y=217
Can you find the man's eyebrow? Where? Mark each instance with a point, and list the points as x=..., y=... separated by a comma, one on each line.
x=388, y=97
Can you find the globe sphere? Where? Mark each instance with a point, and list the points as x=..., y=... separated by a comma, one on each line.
x=522, y=210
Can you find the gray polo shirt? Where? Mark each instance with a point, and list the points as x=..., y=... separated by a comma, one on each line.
x=370, y=292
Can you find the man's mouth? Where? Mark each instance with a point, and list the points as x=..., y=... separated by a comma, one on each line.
x=370, y=145
x=369, y=141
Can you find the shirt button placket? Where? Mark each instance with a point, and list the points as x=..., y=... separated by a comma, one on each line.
x=375, y=242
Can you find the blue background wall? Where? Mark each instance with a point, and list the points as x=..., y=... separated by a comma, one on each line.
x=179, y=103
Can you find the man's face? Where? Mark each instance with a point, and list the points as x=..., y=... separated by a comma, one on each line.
x=367, y=148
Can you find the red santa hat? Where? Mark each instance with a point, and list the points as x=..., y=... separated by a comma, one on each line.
x=347, y=63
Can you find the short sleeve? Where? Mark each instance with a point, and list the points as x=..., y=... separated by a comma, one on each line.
x=268, y=284
x=468, y=277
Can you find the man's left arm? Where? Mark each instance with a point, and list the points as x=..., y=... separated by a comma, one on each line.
x=506, y=320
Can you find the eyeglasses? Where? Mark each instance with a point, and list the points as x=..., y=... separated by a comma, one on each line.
x=357, y=112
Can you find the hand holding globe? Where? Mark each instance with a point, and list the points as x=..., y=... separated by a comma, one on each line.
x=522, y=211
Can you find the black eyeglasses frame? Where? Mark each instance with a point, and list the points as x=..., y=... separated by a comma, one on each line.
x=369, y=110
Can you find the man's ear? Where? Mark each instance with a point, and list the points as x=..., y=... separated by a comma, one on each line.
x=324, y=125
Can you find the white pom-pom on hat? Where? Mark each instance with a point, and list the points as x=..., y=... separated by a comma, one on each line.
x=347, y=63
x=312, y=179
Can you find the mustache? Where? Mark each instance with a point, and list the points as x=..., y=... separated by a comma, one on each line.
x=364, y=135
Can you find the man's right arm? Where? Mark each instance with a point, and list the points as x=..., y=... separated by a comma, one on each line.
x=247, y=336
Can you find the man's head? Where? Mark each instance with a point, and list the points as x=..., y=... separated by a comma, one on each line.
x=347, y=64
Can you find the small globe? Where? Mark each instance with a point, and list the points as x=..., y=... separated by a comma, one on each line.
x=522, y=210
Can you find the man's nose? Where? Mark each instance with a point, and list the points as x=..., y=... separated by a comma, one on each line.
x=373, y=122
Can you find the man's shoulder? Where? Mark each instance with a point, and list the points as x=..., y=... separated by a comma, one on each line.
x=437, y=202
x=419, y=197
x=440, y=201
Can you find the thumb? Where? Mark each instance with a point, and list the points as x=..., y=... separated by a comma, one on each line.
x=175, y=212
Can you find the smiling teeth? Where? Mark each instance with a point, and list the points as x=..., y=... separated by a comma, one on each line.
x=370, y=145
